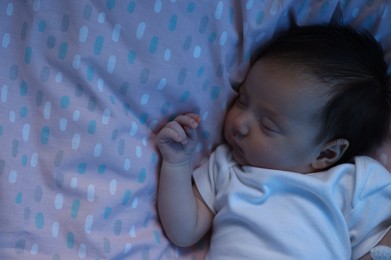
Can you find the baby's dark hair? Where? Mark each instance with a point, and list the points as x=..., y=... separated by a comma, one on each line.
x=351, y=64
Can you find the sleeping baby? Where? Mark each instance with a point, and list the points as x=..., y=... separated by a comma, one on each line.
x=292, y=180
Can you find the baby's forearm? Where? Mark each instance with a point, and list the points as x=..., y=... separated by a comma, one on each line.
x=177, y=204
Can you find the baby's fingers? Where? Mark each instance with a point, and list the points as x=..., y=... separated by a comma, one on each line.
x=188, y=120
x=173, y=132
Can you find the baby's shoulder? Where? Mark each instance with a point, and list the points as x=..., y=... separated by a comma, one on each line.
x=371, y=176
x=368, y=165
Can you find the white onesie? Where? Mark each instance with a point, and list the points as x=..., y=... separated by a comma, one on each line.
x=341, y=213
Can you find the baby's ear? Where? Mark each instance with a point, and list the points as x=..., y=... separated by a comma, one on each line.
x=332, y=151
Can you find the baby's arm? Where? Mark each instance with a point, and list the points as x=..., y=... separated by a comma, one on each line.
x=184, y=215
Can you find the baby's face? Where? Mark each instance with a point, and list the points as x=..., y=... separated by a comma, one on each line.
x=274, y=121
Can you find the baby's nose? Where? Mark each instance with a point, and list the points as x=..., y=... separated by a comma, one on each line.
x=241, y=130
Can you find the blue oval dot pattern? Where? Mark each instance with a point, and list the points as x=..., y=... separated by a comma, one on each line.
x=86, y=85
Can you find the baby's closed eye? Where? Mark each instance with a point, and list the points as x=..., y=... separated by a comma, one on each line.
x=269, y=125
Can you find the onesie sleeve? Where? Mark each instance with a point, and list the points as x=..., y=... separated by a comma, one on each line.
x=212, y=174
x=370, y=217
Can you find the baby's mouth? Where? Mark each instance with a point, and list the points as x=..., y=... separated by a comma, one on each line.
x=237, y=152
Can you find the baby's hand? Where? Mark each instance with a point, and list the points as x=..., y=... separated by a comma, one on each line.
x=177, y=140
